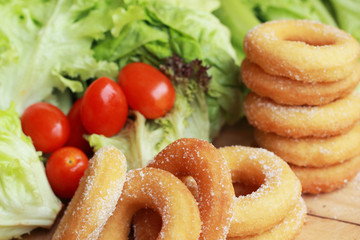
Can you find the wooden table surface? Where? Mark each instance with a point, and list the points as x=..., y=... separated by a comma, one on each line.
x=331, y=216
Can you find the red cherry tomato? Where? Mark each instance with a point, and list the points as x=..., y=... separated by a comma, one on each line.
x=64, y=169
x=77, y=130
x=147, y=90
x=104, y=107
x=47, y=126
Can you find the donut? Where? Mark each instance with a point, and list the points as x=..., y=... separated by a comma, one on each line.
x=327, y=179
x=303, y=121
x=312, y=152
x=163, y=192
x=286, y=91
x=278, y=192
x=287, y=229
x=202, y=161
x=96, y=197
x=147, y=223
x=302, y=50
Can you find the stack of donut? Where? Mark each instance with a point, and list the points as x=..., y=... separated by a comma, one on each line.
x=186, y=193
x=303, y=103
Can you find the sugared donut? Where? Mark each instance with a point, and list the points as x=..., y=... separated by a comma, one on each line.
x=287, y=229
x=202, y=161
x=291, y=92
x=327, y=179
x=96, y=197
x=163, y=192
x=312, y=152
x=278, y=193
x=302, y=50
x=303, y=121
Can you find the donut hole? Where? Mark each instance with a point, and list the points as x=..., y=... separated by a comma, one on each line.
x=191, y=184
x=311, y=40
x=243, y=189
x=247, y=180
x=145, y=222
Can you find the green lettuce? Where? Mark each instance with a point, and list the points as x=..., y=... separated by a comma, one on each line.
x=141, y=139
x=26, y=199
x=45, y=46
x=151, y=31
x=239, y=18
x=291, y=9
x=346, y=13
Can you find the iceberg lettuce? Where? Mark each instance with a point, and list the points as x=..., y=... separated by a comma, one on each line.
x=45, y=46
x=26, y=198
x=151, y=31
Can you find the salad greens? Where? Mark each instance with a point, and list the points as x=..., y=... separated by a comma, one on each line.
x=26, y=199
x=188, y=118
x=46, y=45
x=346, y=14
x=150, y=31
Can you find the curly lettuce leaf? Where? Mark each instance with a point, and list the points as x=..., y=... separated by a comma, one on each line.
x=198, y=5
x=46, y=45
x=142, y=139
x=160, y=29
x=26, y=199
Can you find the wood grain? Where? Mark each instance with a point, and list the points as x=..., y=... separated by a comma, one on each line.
x=317, y=228
x=331, y=216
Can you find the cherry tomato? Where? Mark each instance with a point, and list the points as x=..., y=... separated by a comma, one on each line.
x=104, y=107
x=147, y=90
x=47, y=126
x=64, y=169
x=77, y=130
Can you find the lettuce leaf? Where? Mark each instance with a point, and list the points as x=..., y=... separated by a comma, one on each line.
x=26, y=199
x=158, y=30
x=151, y=31
x=46, y=45
x=239, y=18
x=142, y=139
x=291, y=9
x=346, y=13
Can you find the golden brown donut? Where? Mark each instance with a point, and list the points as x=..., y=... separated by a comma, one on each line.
x=303, y=121
x=95, y=199
x=163, y=192
x=287, y=229
x=327, y=179
x=291, y=92
x=302, y=50
x=278, y=193
x=202, y=161
x=312, y=152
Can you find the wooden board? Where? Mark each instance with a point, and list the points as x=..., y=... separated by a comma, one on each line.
x=331, y=216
